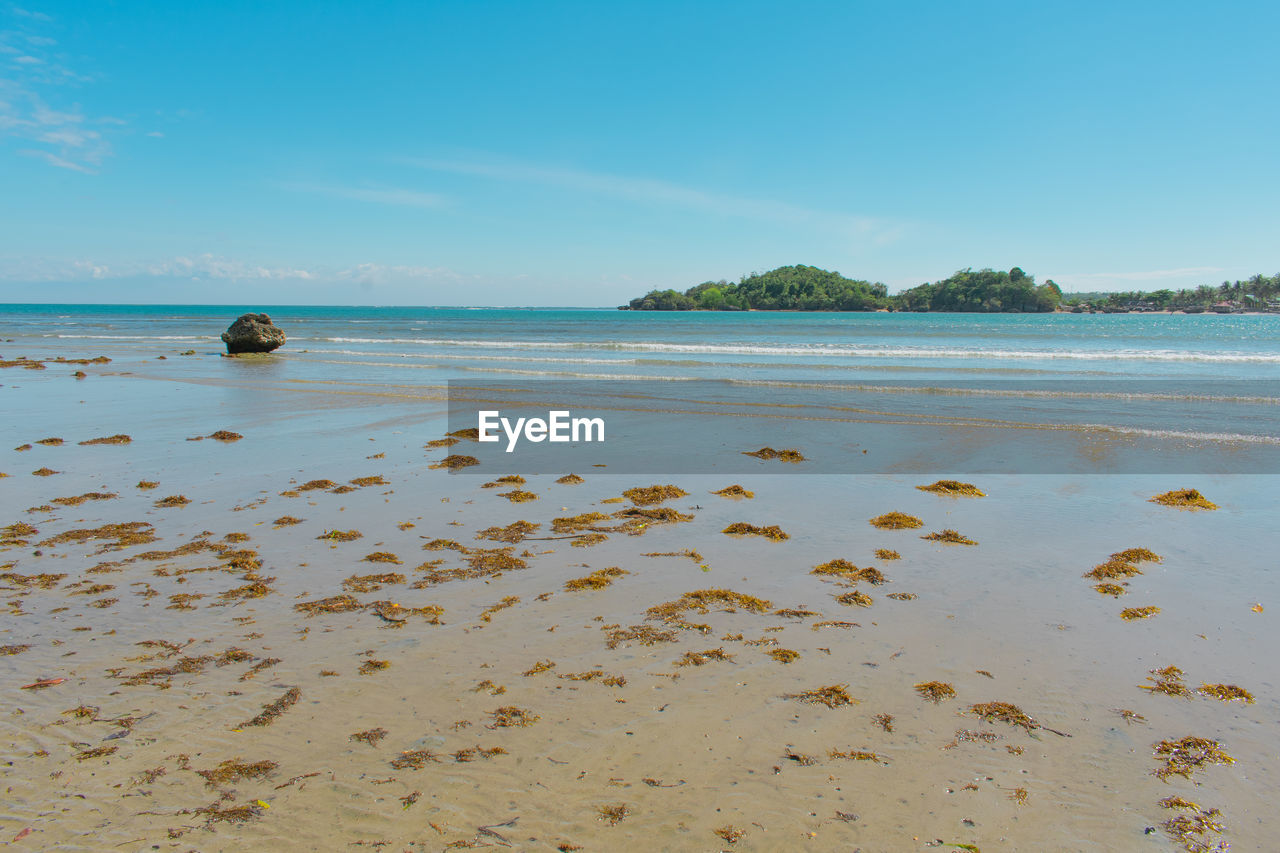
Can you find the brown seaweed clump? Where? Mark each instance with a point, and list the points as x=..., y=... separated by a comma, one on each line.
x=856, y=755
x=1186, y=756
x=1227, y=693
x=382, y=557
x=110, y=439
x=649, y=495
x=5, y=651
x=1131, y=613
x=1137, y=555
x=454, y=461
x=286, y=520
x=703, y=658
x=414, y=759
x=44, y=472
x=76, y=500
x=935, y=691
x=953, y=489
x=730, y=834
x=780, y=455
x=518, y=496
x=896, y=521
x=1003, y=712
x=341, y=535
x=570, y=480
x=615, y=814
x=274, y=709
x=146, y=484
x=949, y=537
x=772, y=532
x=702, y=600
x=884, y=721
x=1194, y=831
x=369, y=736
x=833, y=696
x=903, y=596
x=371, y=583
x=599, y=579
x=1112, y=569
x=509, y=716
x=887, y=554
x=116, y=536
x=486, y=615
x=645, y=635
x=855, y=598
x=173, y=500
x=513, y=533
x=234, y=770
x=369, y=667
x=1167, y=680
x=784, y=655
x=1112, y=589
x=50, y=442
x=735, y=491
x=1184, y=499
x=334, y=604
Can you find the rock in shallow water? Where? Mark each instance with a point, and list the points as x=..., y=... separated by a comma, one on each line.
x=253, y=333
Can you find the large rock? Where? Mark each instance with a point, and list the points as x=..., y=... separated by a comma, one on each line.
x=252, y=333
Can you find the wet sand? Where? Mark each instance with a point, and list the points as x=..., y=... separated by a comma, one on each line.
x=166, y=657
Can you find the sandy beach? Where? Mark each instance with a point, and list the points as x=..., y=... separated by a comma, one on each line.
x=305, y=634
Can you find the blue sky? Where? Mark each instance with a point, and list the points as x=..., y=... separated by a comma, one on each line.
x=551, y=153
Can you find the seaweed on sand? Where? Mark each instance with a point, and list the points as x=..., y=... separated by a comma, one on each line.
x=96, y=752
x=539, y=667
x=1137, y=555
x=1186, y=756
x=1112, y=569
x=954, y=489
x=1184, y=499
x=790, y=455
x=376, y=480
x=509, y=716
x=935, y=691
x=772, y=532
x=703, y=658
x=599, y=579
x=570, y=480
x=636, y=520
x=887, y=554
x=274, y=709
x=734, y=491
x=1167, y=680
x=50, y=442
x=903, y=596
x=1131, y=613
x=1003, y=712
x=173, y=500
x=486, y=615
x=334, y=604
x=5, y=651
x=1193, y=830
x=369, y=736
x=856, y=755
x=370, y=583
x=1227, y=693
x=649, y=495
x=730, y=834
x=799, y=757
x=859, y=599
x=702, y=600
x=784, y=655
x=454, y=461
x=1129, y=716
x=234, y=770
x=949, y=537
x=44, y=472
x=110, y=439
x=645, y=635
x=340, y=535
x=369, y=667
x=614, y=814
x=586, y=540
x=795, y=613
x=896, y=521
x=884, y=721
x=1112, y=589
x=833, y=696
x=87, y=496
x=414, y=759
x=518, y=496
x=848, y=571
x=383, y=557
x=578, y=523
x=513, y=533
x=116, y=536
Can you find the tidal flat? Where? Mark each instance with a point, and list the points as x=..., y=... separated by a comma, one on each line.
x=313, y=637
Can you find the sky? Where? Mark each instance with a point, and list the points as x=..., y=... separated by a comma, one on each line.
x=556, y=153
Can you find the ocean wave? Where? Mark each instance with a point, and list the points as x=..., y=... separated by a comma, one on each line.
x=837, y=350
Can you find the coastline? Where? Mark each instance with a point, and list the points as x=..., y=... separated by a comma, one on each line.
x=719, y=739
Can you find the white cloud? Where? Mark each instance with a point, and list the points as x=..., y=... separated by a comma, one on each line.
x=653, y=190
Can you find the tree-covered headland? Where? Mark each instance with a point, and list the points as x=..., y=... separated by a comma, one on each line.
x=805, y=288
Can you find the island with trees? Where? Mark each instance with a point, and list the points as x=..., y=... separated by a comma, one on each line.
x=806, y=288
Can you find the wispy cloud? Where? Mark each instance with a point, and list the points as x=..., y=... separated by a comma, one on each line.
x=210, y=267
x=33, y=74
x=666, y=193
x=374, y=195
